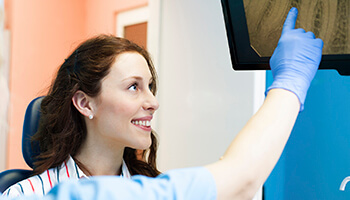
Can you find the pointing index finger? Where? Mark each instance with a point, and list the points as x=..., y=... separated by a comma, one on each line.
x=289, y=24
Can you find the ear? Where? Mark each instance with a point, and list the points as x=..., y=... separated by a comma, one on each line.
x=82, y=103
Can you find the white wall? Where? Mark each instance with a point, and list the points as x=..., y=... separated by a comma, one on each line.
x=203, y=102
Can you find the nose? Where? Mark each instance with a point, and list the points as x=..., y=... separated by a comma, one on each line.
x=151, y=102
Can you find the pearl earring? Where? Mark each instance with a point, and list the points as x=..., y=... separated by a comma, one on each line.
x=91, y=116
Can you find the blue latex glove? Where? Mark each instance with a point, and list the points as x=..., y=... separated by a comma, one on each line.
x=296, y=59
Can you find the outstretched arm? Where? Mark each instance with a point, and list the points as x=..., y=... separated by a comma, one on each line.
x=254, y=152
x=256, y=149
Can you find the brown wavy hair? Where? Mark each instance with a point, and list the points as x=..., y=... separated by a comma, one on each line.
x=62, y=128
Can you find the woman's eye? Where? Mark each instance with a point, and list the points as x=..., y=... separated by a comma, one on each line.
x=133, y=87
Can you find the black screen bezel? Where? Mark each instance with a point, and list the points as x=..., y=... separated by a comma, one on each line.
x=244, y=57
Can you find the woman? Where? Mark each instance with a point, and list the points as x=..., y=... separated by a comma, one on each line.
x=96, y=115
x=253, y=153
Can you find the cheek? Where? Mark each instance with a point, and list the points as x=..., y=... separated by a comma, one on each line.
x=113, y=117
x=119, y=109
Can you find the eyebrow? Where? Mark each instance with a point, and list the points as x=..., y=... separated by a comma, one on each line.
x=137, y=78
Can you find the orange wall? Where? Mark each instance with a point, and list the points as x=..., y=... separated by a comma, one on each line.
x=100, y=17
x=42, y=34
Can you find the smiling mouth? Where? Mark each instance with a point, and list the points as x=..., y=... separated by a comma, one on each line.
x=142, y=123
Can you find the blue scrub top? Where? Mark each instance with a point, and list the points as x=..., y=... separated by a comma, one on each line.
x=188, y=183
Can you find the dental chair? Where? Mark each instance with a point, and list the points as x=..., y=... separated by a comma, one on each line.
x=30, y=126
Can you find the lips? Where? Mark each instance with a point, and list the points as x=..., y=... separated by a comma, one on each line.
x=143, y=123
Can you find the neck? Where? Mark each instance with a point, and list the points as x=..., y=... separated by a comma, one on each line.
x=100, y=158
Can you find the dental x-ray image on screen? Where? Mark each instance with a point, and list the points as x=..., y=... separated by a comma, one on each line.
x=254, y=26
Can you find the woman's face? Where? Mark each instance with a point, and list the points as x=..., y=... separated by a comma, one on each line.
x=125, y=106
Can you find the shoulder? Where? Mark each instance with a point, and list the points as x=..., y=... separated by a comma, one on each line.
x=190, y=183
x=13, y=191
x=20, y=188
x=41, y=184
x=37, y=184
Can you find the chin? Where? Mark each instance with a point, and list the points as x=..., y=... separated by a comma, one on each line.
x=144, y=145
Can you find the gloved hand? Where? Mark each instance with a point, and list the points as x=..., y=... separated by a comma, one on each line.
x=296, y=59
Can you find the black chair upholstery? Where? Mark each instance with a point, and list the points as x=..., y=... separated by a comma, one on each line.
x=12, y=176
x=30, y=126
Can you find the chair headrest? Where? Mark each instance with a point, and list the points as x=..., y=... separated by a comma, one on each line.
x=30, y=127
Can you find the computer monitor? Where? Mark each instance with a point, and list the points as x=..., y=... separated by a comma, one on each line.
x=253, y=28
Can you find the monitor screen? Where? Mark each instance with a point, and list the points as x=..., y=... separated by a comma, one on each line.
x=254, y=27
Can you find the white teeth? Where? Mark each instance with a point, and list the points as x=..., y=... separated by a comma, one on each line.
x=142, y=123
